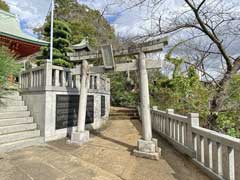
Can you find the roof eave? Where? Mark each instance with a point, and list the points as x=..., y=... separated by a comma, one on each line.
x=40, y=43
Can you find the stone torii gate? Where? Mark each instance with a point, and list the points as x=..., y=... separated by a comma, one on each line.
x=147, y=146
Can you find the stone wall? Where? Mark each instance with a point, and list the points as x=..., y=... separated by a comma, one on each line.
x=42, y=106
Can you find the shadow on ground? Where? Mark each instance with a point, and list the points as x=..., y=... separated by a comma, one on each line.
x=107, y=156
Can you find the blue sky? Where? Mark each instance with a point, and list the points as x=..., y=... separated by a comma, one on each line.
x=32, y=14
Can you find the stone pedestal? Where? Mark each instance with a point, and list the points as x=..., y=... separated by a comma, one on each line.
x=148, y=149
x=80, y=137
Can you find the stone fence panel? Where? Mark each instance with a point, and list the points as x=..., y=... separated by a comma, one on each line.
x=215, y=153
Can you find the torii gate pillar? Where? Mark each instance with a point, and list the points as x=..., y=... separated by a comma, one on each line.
x=81, y=136
x=147, y=146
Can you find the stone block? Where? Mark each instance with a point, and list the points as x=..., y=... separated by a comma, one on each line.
x=80, y=137
x=153, y=156
x=146, y=146
x=148, y=149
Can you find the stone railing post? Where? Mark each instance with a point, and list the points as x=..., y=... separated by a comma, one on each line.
x=48, y=74
x=167, y=130
x=78, y=77
x=193, y=119
x=153, y=118
x=155, y=108
x=57, y=82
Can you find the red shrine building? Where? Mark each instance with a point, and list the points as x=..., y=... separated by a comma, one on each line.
x=11, y=36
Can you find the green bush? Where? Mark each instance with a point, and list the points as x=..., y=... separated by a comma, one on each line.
x=121, y=94
x=40, y=62
x=57, y=62
x=228, y=124
x=63, y=63
x=8, y=66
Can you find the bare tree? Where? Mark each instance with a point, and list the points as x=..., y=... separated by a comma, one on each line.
x=215, y=22
x=218, y=21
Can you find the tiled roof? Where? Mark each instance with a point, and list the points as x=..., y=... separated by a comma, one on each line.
x=10, y=27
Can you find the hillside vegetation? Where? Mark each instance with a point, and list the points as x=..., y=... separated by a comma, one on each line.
x=83, y=22
x=4, y=6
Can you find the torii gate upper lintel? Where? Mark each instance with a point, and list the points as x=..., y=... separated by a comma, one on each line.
x=147, y=146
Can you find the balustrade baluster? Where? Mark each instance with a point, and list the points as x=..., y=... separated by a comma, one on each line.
x=210, y=154
x=202, y=149
x=63, y=78
x=180, y=132
x=57, y=83
x=164, y=123
x=30, y=82
x=174, y=129
x=168, y=125
x=219, y=157
x=231, y=164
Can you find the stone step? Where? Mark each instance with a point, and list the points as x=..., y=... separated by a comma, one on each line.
x=123, y=117
x=11, y=97
x=10, y=102
x=10, y=93
x=19, y=136
x=123, y=111
x=13, y=109
x=122, y=108
x=15, y=121
x=10, y=115
x=123, y=114
x=21, y=144
x=17, y=128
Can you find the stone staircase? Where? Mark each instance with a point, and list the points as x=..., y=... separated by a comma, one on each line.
x=122, y=113
x=17, y=129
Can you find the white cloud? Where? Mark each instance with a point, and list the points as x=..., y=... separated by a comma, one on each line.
x=129, y=22
x=31, y=13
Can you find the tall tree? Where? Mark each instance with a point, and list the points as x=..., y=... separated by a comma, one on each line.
x=61, y=43
x=84, y=22
x=4, y=6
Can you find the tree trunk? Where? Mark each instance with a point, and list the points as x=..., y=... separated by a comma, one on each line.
x=220, y=95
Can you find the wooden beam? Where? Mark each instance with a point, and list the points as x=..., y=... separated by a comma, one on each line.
x=147, y=47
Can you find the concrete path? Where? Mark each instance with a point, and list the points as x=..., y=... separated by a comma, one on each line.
x=106, y=157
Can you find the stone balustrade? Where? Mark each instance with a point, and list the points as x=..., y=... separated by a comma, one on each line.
x=32, y=78
x=45, y=87
x=59, y=78
x=217, y=154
